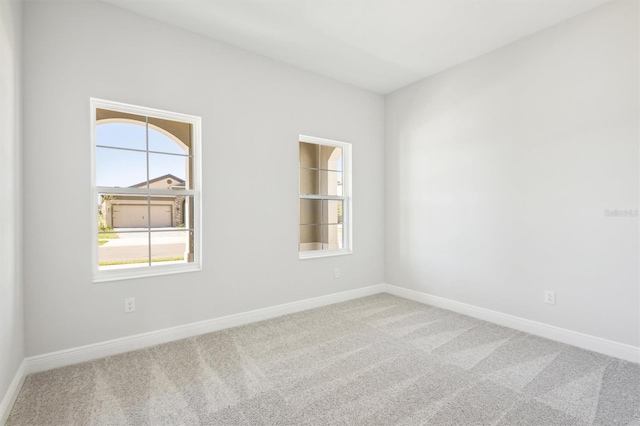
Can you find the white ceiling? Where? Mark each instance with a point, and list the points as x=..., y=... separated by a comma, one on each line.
x=379, y=45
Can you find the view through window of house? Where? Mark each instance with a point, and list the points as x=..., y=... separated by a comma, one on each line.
x=146, y=190
x=324, y=197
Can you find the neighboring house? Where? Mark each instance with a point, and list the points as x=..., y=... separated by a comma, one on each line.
x=133, y=211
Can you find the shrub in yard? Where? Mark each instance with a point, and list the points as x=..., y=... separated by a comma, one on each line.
x=102, y=224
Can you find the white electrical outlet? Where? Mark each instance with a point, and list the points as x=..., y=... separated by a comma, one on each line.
x=550, y=297
x=129, y=304
x=336, y=273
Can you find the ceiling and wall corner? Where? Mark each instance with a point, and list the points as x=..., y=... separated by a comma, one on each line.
x=378, y=45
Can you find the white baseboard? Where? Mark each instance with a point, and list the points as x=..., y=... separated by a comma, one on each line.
x=125, y=344
x=581, y=340
x=12, y=393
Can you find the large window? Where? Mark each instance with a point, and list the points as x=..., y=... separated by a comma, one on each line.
x=146, y=199
x=325, y=197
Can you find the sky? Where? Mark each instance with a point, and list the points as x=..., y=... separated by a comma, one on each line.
x=115, y=167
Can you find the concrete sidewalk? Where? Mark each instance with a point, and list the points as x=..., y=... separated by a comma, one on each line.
x=140, y=236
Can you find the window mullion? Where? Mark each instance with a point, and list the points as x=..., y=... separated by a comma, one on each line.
x=144, y=191
x=323, y=197
x=144, y=150
x=318, y=163
x=146, y=134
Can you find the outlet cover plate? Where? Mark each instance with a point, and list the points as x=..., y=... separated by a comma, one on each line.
x=550, y=297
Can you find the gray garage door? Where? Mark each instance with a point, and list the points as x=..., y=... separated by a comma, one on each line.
x=136, y=216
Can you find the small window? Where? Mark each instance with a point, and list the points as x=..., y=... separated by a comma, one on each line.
x=325, y=197
x=146, y=198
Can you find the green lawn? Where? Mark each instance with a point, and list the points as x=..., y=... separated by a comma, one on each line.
x=107, y=235
x=133, y=261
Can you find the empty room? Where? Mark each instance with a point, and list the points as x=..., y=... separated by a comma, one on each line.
x=314, y=212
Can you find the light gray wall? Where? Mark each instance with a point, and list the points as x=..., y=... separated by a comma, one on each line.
x=11, y=291
x=252, y=109
x=498, y=173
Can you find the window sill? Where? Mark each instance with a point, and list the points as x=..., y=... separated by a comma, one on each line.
x=314, y=254
x=132, y=273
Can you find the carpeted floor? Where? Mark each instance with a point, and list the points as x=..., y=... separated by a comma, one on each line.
x=379, y=360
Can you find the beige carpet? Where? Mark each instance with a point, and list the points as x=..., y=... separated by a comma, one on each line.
x=379, y=360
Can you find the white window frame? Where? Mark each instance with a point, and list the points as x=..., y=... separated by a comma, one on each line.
x=347, y=199
x=195, y=177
